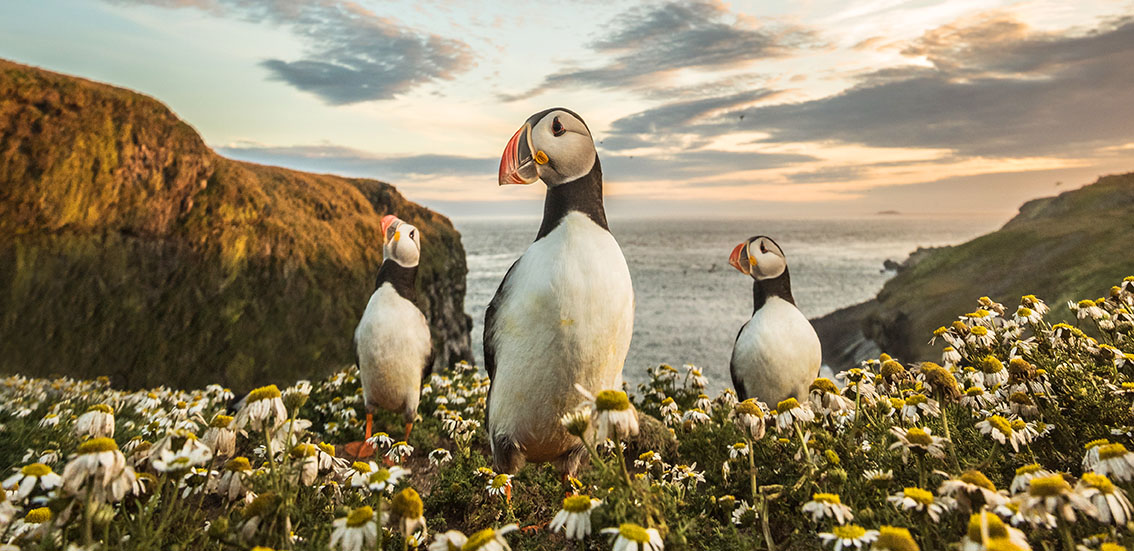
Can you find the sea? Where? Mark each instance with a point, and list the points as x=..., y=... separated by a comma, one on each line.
x=690, y=302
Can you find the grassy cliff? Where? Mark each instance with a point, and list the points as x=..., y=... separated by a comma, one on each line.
x=1063, y=248
x=129, y=248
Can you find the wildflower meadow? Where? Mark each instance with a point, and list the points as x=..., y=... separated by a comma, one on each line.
x=1016, y=437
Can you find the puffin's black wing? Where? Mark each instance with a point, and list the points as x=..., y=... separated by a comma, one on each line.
x=427, y=370
x=741, y=393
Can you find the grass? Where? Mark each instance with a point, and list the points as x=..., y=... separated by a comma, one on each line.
x=1050, y=393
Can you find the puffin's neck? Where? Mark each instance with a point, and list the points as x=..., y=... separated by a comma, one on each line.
x=400, y=277
x=764, y=289
x=583, y=195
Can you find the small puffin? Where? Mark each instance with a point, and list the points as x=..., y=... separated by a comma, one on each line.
x=392, y=342
x=564, y=313
x=777, y=353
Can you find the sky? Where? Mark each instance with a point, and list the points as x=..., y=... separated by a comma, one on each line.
x=762, y=108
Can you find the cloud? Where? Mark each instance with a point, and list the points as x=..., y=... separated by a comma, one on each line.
x=647, y=42
x=662, y=125
x=692, y=164
x=994, y=89
x=350, y=54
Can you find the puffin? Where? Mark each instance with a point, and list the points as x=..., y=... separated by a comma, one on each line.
x=563, y=315
x=393, y=345
x=777, y=353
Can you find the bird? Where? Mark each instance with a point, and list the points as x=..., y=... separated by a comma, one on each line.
x=393, y=344
x=564, y=313
x=777, y=353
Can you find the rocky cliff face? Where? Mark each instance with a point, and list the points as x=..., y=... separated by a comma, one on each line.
x=1059, y=248
x=128, y=248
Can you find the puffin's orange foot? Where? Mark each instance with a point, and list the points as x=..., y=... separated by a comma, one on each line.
x=359, y=450
x=538, y=527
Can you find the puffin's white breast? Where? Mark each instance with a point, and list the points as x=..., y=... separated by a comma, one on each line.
x=393, y=343
x=777, y=355
x=566, y=317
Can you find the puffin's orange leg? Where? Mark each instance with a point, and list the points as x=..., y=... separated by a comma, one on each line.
x=363, y=449
x=409, y=427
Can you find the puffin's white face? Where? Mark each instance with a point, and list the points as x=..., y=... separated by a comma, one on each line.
x=759, y=257
x=403, y=241
x=554, y=146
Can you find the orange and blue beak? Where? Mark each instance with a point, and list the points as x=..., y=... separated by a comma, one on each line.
x=518, y=166
x=739, y=259
x=390, y=224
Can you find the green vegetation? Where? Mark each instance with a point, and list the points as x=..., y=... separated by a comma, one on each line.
x=1059, y=247
x=1020, y=440
x=128, y=248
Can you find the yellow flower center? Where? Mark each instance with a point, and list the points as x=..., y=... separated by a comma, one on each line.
x=633, y=532
x=36, y=469
x=477, y=540
x=98, y=445
x=1099, y=482
x=924, y=497
x=407, y=504
x=304, y=450
x=238, y=464
x=380, y=476
x=360, y=516
x=989, y=364
x=221, y=421
x=577, y=504
x=918, y=436
x=992, y=523
x=977, y=478
x=891, y=369
x=916, y=399
x=499, y=481
x=894, y=538
x=1020, y=398
x=101, y=407
x=979, y=330
x=327, y=448
x=612, y=400
x=1024, y=312
x=264, y=393
x=360, y=467
x=38, y=516
x=1048, y=486
x=824, y=384
x=826, y=498
x=974, y=391
x=1001, y=424
x=848, y=531
x=749, y=407
x=787, y=405
x=1111, y=451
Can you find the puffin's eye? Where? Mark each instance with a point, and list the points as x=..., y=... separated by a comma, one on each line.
x=411, y=233
x=557, y=127
x=763, y=249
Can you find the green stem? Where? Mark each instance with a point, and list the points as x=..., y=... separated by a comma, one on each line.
x=381, y=529
x=751, y=467
x=920, y=470
x=803, y=442
x=945, y=423
x=88, y=521
x=766, y=524
x=622, y=461
x=1065, y=531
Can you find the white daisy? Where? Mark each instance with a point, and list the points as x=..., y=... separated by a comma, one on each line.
x=612, y=413
x=828, y=505
x=263, y=410
x=790, y=411
x=632, y=537
x=1111, y=504
x=384, y=480
x=453, y=540
x=575, y=517
x=97, y=422
x=99, y=471
x=1116, y=462
x=28, y=477
x=921, y=500
x=848, y=536
x=356, y=531
x=489, y=539
x=399, y=451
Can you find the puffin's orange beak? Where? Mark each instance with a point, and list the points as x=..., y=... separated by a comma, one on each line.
x=388, y=221
x=517, y=165
x=739, y=259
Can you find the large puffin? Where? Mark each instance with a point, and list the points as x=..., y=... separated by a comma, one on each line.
x=777, y=353
x=564, y=313
x=392, y=341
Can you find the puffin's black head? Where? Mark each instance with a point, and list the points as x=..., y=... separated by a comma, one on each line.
x=553, y=145
x=403, y=241
x=759, y=257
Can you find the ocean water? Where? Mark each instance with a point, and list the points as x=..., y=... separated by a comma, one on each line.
x=690, y=302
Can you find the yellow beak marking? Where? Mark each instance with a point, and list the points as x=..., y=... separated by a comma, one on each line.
x=540, y=157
